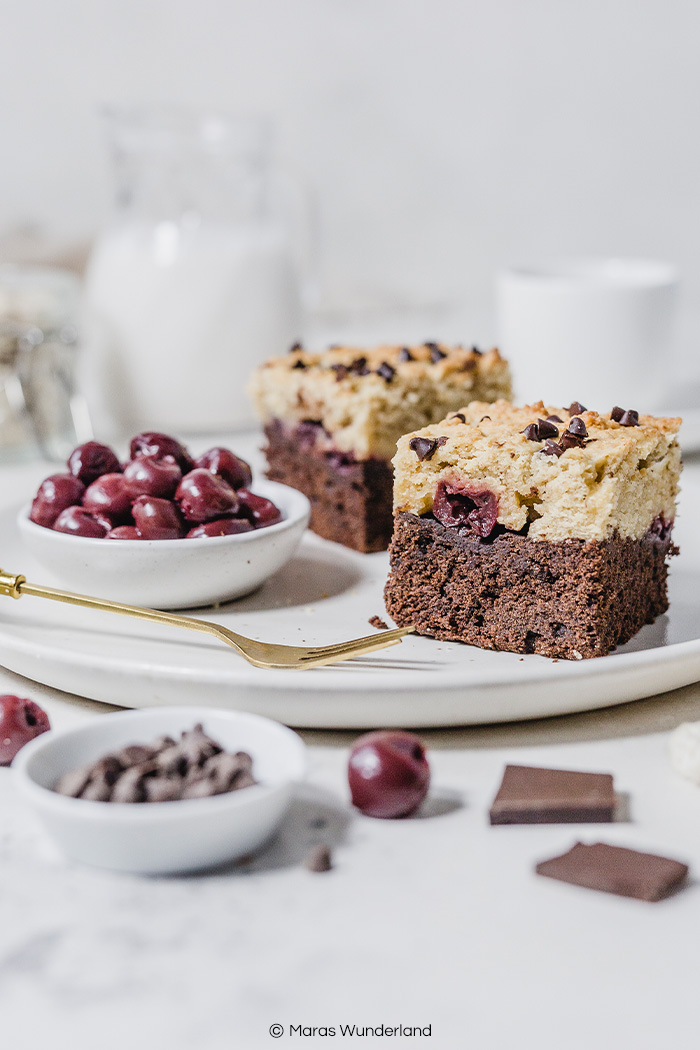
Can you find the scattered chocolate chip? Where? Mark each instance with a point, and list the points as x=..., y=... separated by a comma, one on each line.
x=295, y=348
x=299, y=364
x=340, y=371
x=577, y=427
x=405, y=354
x=359, y=367
x=630, y=418
x=461, y=417
x=386, y=371
x=529, y=795
x=546, y=429
x=531, y=432
x=483, y=418
x=318, y=859
x=551, y=448
x=616, y=869
x=576, y=408
x=617, y=413
x=376, y=621
x=554, y=419
x=436, y=354
x=424, y=448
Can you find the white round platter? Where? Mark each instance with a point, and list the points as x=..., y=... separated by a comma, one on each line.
x=327, y=593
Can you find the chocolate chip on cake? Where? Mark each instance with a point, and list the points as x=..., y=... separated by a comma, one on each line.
x=436, y=354
x=460, y=416
x=299, y=364
x=424, y=448
x=551, y=448
x=628, y=418
x=359, y=367
x=532, y=432
x=576, y=408
x=340, y=371
x=386, y=371
x=545, y=429
x=577, y=427
x=405, y=354
x=295, y=348
x=554, y=419
x=477, y=351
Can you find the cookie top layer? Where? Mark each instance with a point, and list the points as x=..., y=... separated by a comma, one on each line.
x=365, y=399
x=580, y=474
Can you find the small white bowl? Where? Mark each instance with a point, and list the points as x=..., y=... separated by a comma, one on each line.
x=172, y=574
x=159, y=838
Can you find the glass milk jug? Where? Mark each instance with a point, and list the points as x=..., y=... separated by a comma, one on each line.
x=194, y=283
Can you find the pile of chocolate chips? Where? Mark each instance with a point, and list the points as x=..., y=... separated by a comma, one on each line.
x=164, y=771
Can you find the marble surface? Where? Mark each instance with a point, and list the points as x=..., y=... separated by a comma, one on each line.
x=438, y=920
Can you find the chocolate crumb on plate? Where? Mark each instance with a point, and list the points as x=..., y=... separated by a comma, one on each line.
x=318, y=859
x=530, y=795
x=615, y=869
x=376, y=621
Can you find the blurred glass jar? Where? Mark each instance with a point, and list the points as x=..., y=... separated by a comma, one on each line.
x=41, y=412
x=195, y=281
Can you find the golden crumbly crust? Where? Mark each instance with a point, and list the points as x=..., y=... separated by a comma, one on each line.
x=617, y=483
x=364, y=411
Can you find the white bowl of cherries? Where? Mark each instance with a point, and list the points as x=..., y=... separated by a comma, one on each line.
x=163, y=530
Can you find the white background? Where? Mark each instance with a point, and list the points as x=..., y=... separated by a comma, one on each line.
x=442, y=138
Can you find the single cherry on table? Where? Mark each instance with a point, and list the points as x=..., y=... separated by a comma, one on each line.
x=388, y=773
x=20, y=721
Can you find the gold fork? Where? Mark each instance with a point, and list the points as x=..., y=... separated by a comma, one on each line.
x=261, y=654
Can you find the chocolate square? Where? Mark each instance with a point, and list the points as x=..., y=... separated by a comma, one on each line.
x=529, y=795
x=615, y=869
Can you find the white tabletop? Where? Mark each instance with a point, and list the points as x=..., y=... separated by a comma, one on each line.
x=438, y=921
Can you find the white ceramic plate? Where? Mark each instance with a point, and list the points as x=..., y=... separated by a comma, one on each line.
x=324, y=594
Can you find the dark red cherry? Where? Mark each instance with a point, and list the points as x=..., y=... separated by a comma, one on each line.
x=92, y=459
x=77, y=521
x=388, y=773
x=124, y=532
x=203, y=496
x=20, y=721
x=55, y=494
x=151, y=476
x=157, y=519
x=109, y=494
x=221, y=527
x=261, y=511
x=151, y=443
x=231, y=468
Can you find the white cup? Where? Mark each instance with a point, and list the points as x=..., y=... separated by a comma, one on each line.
x=598, y=331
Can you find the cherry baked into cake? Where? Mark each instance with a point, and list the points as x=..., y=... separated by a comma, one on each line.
x=333, y=419
x=536, y=529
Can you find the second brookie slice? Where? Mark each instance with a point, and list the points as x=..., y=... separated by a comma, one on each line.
x=332, y=421
x=535, y=530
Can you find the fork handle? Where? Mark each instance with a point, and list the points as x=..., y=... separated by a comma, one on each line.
x=16, y=586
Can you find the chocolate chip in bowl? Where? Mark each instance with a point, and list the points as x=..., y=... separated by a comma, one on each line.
x=182, y=532
x=192, y=765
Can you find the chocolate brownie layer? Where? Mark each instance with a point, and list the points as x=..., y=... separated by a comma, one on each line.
x=350, y=500
x=571, y=598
